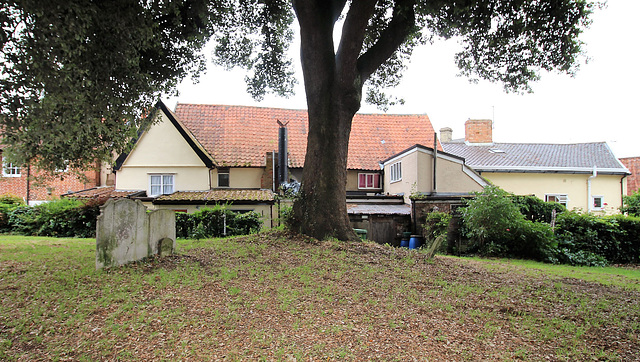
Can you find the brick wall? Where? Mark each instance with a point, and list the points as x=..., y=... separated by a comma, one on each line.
x=46, y=188
x=633, y=181
x=478, y=131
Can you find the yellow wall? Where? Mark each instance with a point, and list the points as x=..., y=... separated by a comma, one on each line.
x=249, y=177
x=352, y=182
x=163, y=150
x=573, y=185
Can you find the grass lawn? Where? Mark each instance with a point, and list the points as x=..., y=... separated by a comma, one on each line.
x=276, y=296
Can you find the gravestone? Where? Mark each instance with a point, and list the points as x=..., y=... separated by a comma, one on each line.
x=125, y=233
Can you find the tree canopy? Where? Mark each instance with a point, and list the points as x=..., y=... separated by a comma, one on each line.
x=78, y=76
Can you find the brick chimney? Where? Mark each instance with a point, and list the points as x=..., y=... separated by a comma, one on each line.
x=478, y=131
x=446, y=134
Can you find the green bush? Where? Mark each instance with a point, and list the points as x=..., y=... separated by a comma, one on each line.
x=614, y=238
x=496, y=227
x=59, y=218
x=23, y=220
x=631, y=204
x=436, y=224
x=216, y=221
x=8, y=203
x=535, y=209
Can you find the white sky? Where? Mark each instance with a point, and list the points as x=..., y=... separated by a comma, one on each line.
x=599, y=104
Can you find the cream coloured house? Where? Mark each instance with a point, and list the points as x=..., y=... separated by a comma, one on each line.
x=582, y=176
x=204, y=154
x=423, y=171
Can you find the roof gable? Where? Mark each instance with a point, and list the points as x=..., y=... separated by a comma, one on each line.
x=186, y=135
x=241, y=136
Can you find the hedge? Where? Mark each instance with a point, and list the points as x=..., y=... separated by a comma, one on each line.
x=217, y=221
x=59, y=218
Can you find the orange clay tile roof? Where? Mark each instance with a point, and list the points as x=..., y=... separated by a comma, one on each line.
x=219, y=195
x=241, y=135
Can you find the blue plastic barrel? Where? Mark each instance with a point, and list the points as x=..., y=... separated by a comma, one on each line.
x=415, y=241
x=404, y=241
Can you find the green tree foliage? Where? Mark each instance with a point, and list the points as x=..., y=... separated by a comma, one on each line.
x=216, y=221
x=535, y=209
x=78, y=75
x=60, y=218
x=631, y=204
x=498, y=228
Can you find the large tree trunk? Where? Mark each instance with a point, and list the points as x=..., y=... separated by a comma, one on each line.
x=320, y=210
x=333, y=85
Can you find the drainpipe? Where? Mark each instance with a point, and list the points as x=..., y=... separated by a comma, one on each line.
x=28, y=183
x=435, y=159
x=589, y=199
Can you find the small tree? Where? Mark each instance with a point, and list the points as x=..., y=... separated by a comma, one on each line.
x=490, y=216
x=631, y=204
x=494, y=221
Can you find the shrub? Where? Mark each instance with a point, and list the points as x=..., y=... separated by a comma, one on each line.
x=631, y=204
x=7, y=204
x=23, y=220
x=490, y=216
x=496, y=227
x=535, y=209
x=59, y=218
x=615, y=238
x=216, y=221
x=436, y=225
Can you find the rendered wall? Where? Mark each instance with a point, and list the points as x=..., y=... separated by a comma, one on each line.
x=162, y=149
x=573, y=185
x=241, y=178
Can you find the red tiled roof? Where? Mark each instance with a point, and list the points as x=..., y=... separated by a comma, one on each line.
x=241, y=135
x=219, y=195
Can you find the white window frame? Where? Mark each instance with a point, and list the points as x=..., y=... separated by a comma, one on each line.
x=9, y=170
x=593, y=202
x=395, y=172
x=559, y=198
x=366, y=181
x=163, y=184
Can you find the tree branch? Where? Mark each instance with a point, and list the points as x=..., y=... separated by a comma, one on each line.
x=390, y=40
x=353, y=32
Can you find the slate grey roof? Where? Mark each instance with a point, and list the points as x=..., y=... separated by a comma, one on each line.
x=538, y=157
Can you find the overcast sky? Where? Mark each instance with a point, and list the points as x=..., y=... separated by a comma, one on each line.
x=599, y=104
